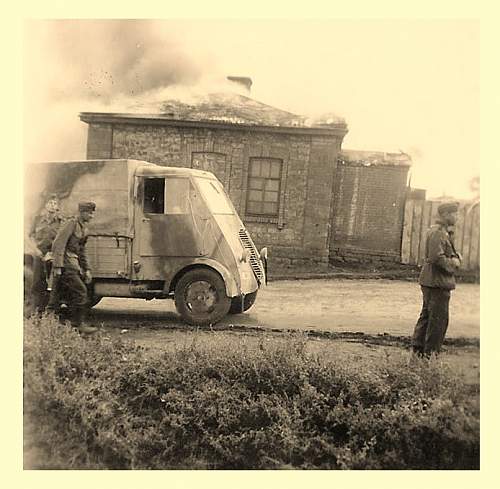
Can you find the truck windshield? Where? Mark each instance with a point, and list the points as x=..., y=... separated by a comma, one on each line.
x=216, y=197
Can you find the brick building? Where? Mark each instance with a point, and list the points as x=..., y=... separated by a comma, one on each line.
x=294, y=188
x=370, y=192
x=279, y=171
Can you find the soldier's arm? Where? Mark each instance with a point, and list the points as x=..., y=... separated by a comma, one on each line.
x=436, y=254
x=60, y=242
x=84, y=262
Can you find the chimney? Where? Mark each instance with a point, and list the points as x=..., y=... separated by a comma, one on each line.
x=243, y=81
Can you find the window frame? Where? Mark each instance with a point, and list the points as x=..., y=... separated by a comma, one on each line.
x=267, y=217
x=164, y=197
x=147, y=180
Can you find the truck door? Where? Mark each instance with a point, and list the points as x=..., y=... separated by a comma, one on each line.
x=164, y=220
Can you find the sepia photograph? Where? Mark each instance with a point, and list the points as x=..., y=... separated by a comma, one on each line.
x=251, y=244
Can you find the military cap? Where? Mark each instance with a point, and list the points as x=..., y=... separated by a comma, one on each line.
x=86, y=206
x=448, y=207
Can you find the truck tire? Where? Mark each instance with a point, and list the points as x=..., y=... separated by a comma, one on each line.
x=200, y=297
x=238, y=302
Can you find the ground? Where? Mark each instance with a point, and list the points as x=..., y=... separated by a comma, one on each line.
x=354, y=319
x=368, y=306
x=364, y=321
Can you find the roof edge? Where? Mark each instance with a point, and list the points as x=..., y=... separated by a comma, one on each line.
x=339, y=130
x=354, y=157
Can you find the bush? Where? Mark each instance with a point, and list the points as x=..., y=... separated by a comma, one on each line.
x=100, y=403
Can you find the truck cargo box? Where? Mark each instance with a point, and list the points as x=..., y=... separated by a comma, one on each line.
x=109, y=184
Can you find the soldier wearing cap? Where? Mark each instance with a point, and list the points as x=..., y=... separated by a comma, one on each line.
x=71, y=265
x=437, y=280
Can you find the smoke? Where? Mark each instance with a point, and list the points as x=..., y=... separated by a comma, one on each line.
x=415, y=153
x=73, y=66
x=107, y=58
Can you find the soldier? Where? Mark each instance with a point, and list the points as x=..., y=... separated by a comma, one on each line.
x=43, y=232
x=437, y=280
x=71, y=266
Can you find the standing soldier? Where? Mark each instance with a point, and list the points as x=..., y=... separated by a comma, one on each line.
x=43, y=232
x=71, y=267
x=437, y=280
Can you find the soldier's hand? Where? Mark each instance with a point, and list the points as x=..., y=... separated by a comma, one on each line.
x=87, y=277
x=48, y=256
x=57, y=271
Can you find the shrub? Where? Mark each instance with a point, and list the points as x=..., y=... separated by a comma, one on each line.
x=101, y=403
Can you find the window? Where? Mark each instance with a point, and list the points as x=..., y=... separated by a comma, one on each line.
x=166, y=196
x=154, y=195
x=177, y=195
x=264, y=180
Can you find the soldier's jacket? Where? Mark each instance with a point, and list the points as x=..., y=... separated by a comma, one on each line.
x=44, y=229
x=440, y=259
x=68, y=248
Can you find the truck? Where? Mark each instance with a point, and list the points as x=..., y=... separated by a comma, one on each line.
x=158, y=233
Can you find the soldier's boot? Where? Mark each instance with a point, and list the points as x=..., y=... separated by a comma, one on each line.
x=77, y=321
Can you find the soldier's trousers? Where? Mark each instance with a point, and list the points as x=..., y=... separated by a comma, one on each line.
x=432, y=324
x=39, y=287
x=74, y=290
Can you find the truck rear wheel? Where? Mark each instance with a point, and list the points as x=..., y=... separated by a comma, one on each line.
x=200, y=297
x=242, y=303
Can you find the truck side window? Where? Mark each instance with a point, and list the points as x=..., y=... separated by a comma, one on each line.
x=154, y=195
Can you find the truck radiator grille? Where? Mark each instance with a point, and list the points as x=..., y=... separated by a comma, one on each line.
x=254, y=257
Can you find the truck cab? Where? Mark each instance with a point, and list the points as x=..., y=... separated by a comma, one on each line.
x=158, y=232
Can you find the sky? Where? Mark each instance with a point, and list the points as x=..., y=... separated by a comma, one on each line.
x=401, y=85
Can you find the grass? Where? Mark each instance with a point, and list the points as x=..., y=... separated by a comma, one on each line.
x=101, y=403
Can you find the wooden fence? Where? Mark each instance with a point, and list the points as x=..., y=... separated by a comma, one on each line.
x=421, y=214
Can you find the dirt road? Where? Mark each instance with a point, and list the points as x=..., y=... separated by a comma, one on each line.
x=368, y=306
x=349, y=319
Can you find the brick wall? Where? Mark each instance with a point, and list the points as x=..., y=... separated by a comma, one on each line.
x=368, y=210
x=100, y=141
x=300, y=233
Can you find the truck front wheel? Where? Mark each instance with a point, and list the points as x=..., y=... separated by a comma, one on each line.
x=200, y=297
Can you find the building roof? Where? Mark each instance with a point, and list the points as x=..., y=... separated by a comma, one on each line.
x=373, y=158
x=228, y=109
x=224, y=107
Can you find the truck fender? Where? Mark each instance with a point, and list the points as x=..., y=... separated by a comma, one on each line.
x=232, y=289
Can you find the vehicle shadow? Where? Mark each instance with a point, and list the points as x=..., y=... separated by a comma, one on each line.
x=117, y=318
x=131, y=319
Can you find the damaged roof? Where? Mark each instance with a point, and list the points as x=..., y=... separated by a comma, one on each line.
x=373, y=158
x=222, y=108
x=225, y=107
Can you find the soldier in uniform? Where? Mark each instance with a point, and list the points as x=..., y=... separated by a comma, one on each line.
x=437, y=280
x=71, y=266
x=43, y=232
